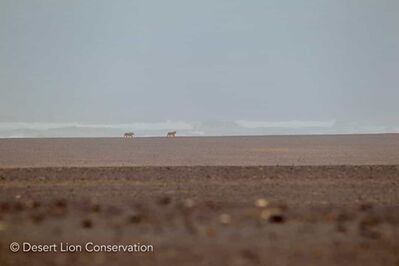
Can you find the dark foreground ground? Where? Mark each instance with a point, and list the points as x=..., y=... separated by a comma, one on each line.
x=303, y=200
x=314, y=215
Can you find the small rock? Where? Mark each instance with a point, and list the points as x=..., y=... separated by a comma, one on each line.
x=369, y=221
x=135, y=218
x=34, y=204
x=61, y=203
x=188, y=203
x=368, y=227
x=225, y=218
x=343, y=217
x=273, y=215
x=212, y=205
x=365, y=206
x=18, y=196
x=277, y=218
x=261, y=203
x=95, y=208
x=164, y=200
x=87, y=223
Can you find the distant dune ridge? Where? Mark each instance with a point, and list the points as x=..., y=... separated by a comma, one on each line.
x=189, y=128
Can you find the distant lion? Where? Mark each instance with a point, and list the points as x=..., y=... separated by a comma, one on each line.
x=171, y=134
x=128, y=135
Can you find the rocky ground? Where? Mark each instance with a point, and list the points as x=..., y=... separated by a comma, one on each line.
x=204, y=215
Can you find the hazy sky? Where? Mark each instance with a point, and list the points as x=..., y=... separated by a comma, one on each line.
x=125, y=60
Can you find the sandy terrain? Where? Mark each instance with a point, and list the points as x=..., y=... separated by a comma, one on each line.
x=320, y=200
x=267, y=150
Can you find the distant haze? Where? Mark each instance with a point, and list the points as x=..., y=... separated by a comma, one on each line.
x=210, y=67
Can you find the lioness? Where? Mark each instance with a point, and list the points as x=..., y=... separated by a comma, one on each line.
x=128, y=135
x=171, y=134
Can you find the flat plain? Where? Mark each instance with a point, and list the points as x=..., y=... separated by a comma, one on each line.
x=272, y=200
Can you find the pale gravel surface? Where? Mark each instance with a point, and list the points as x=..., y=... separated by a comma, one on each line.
x=190, y=151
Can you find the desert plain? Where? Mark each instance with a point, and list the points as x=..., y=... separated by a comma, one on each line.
x=250, y=200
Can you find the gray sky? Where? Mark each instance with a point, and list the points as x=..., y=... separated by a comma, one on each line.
x=121, y=61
